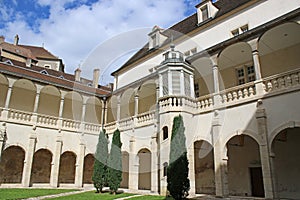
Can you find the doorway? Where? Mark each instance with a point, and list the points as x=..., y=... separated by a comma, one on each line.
x=257, y=185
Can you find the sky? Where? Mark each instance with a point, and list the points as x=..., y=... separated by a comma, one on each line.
x=89, y=33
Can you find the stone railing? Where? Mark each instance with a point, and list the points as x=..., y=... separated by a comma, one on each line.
x=47, y=120
x=18, y=115
x=126, y=123
x=238, y=93
x=110, y=127
x=92, y=128
x=146, y=118
x=70, y=124
x=177, y=103
x=282, y=81
x=205, y=102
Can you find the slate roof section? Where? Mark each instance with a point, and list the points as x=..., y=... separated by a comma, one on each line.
x=17, y=49
x=40, y=52
x=185, y=26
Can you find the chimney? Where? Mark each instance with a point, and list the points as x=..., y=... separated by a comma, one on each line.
x=16, y=42
x=96, y=75
x=77, y=74
x=2, y=39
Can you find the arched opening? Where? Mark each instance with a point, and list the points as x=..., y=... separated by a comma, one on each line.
x=125, y=169
x=3, y=89
x=127, y=104
x=244, y=167
x=287, y=161
x=203, y=77
x=144, y=156
x=11, y=165
x=204, y=168
x=112, y=109
x=165, y=169
x=67, y=167
x=279, y=49
x=147, y=97
x=23, y=95
x=88, y=168
x=41, y=166
x=72, y=106
x=49, y=101
x=236, y=65
x=93, y=111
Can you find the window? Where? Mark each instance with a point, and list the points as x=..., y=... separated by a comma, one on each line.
x=165, y=169
x=196, y=88
x=245, y=74
x=47, y=66
x=204, y=12
x=165, y=133
x=194, y=50
x=244, y=28
x=154, y=43
x=44, y=72
x=235, y=32
x=239, y=30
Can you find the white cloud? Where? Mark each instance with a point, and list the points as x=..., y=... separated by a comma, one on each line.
x=72, y=33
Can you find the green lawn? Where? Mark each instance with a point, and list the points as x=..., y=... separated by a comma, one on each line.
x=92, y=195
x=18, y=193
x=148, y=197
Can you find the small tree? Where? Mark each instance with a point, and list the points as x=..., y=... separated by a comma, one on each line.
x=100, y=164
x=115, y=163
x=177, y=171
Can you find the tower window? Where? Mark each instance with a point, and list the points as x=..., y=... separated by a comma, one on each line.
x=165, y=169
x=165, y=133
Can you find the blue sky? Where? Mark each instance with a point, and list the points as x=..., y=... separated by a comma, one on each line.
x=72, y=29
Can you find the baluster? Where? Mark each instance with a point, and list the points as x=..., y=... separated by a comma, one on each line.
x=245, y=92
x=206, y=103
x=288, y=81
x=281, y=83
x=251, y=91
x=240, y=94
x=229, y=97
x=295, y=79
x=234, y=94
x=269, y=86
x=275, y=84
x=224, y=99
x=210, y=102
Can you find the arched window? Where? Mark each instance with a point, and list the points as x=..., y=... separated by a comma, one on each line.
x=165, y=132
x=165, y=169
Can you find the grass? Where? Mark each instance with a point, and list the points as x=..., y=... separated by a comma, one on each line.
x=148, y=197
x=18, y=193
x=92, y=195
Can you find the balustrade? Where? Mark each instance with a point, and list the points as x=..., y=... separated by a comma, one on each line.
x=146, y=118
x=47, y=120
x=70, y=124
x=89, y=127
x=19, y=115
x=238, y=93
x=282, y=81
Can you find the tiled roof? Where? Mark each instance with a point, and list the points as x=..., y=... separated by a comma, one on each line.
x=40, y=52
x=53, y=77
x=183, y=27
x=17, y=49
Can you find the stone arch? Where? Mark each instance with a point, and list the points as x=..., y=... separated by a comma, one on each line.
x=275, y=132
x=93, y=110
x=3, y=89
x=204, y=167
x=72, y=106
x=67, y=167
x=286, y=160
x=125, y=169
x=278, y=49
x=41, y=166
x=147, y=97
x=11, y=164
x=236, y=61
x=244, y=166
x=23, y=95
x=88, y=168
x=49, y=101
x=112, y=105
x=144, y=179
x=127, y=103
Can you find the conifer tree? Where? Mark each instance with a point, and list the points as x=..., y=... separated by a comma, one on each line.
x=100, y=164
x=177, y=171
x=115, y=163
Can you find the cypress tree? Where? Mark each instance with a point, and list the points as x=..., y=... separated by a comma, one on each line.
x=100, y=164
x=177, y=171
x=115, y=163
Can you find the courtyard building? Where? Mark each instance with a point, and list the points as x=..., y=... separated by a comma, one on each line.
x=231, y=70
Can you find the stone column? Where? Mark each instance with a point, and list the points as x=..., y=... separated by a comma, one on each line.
x=55, y=162
x=79, y=166
x=133, y=167
x=7, y=100
x=118, y=110
x=190, y=155
x=192, y=86
x=136, y=105
x=3, y=138
x=220, y=160
x=29, y=159
x=161, y=86
x=60, y=113
x=83, y=117
x=258, y=83
x=36, y=105
x=154, y=164
x=268, y=175
x=104, y=113
x=182, y=88
x=217, y=97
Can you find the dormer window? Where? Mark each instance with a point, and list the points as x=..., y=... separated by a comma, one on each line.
x=44, y=72
x=206, y=10
x=156, y=37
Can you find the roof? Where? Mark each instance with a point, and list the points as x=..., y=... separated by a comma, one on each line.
x=17, y=49
x=53, y=77
x=40, y=52
x=184, y=27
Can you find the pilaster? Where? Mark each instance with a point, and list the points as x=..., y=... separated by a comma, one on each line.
x=154, y=164
x=191, y=156
x=56, y=161
x=79, y=166
x=3, y=138
x=29, y=159
x=133, y=167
